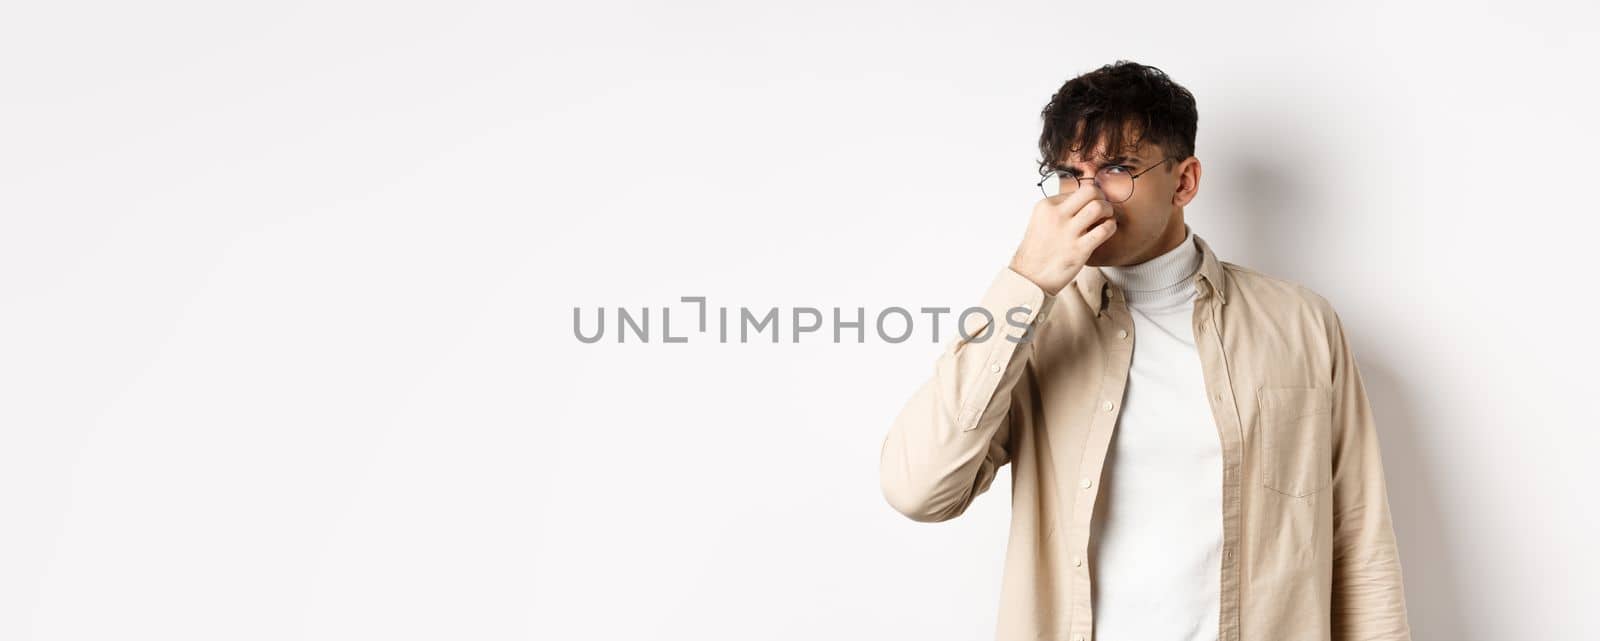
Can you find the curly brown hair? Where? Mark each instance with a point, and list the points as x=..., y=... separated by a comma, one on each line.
x=1116, y=96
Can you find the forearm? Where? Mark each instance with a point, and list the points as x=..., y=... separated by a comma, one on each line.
x=949, y=440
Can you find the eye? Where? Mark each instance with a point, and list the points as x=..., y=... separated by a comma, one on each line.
x=1115, y=169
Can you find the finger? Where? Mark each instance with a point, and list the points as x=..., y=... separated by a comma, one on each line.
x=1092, y=213
x=1075, y=200
x=1099, y=233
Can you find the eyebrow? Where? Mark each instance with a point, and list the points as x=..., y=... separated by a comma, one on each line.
x=1113, y=160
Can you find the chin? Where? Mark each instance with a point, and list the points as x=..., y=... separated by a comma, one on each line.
x=1119, y=250
x=1106, y=255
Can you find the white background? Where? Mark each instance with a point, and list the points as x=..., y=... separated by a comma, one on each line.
x=286, y=292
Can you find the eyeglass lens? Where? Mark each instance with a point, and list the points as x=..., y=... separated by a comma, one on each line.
x=1115, y=182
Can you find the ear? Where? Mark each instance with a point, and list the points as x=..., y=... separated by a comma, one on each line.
x=1188, y=175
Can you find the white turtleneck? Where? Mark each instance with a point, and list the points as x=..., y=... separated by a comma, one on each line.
x=1156, y=540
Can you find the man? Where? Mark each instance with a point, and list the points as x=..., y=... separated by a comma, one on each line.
x=1192, y=453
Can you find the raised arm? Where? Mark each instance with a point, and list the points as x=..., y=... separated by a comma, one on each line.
x=949, y=440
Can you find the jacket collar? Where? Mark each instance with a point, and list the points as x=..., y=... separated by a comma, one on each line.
x=1092, y=283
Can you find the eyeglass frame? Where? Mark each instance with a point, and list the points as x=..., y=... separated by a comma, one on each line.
x=1132, y=179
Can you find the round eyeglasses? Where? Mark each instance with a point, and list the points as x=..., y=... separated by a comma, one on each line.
x=1116, y=181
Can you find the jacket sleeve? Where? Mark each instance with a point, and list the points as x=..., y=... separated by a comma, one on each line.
x=1368, y=597
x=949, y=440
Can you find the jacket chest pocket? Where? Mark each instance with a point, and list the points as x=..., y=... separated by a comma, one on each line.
x=1296, y=429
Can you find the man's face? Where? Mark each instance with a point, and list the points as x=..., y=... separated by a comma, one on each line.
x=1147, y=221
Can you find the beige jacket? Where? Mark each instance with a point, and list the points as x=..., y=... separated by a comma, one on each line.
x=1309, y=553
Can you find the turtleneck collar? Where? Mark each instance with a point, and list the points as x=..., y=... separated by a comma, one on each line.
x=1165, y=279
